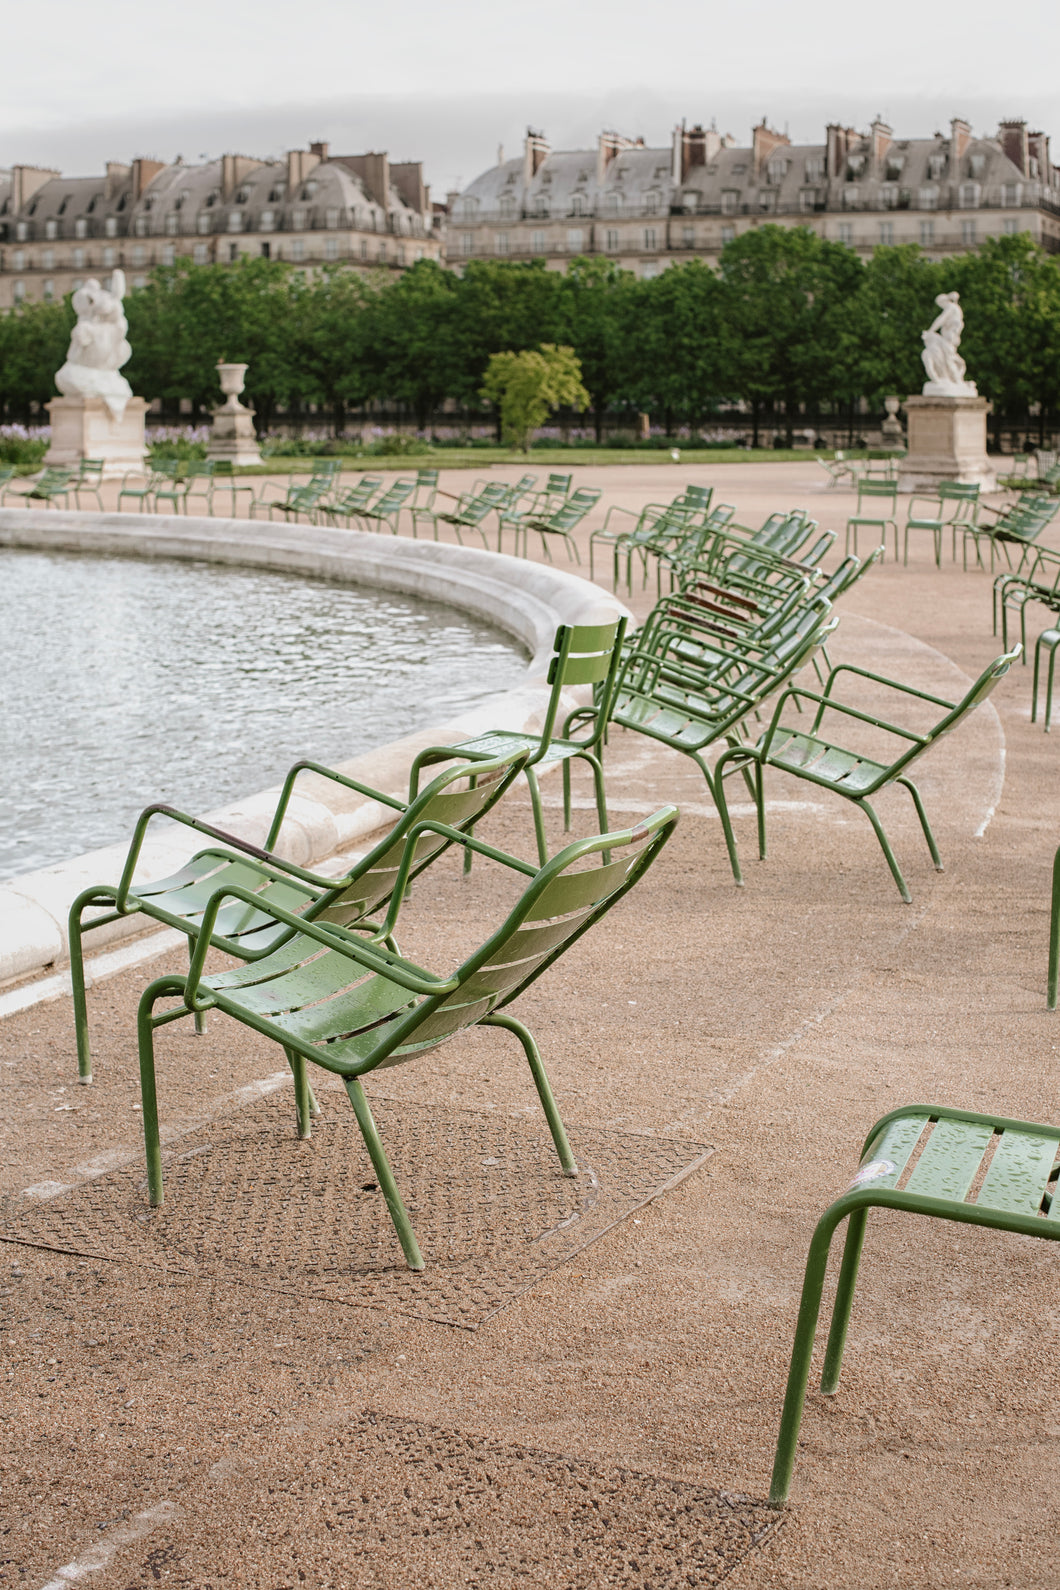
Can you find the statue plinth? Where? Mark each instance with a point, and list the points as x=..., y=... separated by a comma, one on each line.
x=84, y=427
x=947, y=441
x=232, y=436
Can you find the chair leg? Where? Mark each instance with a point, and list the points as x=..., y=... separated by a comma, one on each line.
x=302, y=1093
x=925, y=825
x=145, y=1030
x=544, y=1090
x=801, y=1353
x=539, y=816
x=716, y=786
x=844, y=1300
x=1054, y=936
x=885, y=846
x=381, y=1165
x=77, y=976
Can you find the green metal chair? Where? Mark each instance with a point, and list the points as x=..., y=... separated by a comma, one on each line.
x=386, y=510
x=560, y=524
x=1018, y=525
x=198, y=482
x=838, y=468
x=1039, y=582
x=584, y=654
x=145, y=490
x=807, y=754
x=226, y=479
x=954, y=504
x=1048, y=641
x=89, y=480
x=471, y=511
x=423, y=497
x=351, y=1006
x=7, y=475
x=873, y=493
x=949, y=1150
x=1054, y=935
x=352, y=501
x=458, y=797
x=54, y=482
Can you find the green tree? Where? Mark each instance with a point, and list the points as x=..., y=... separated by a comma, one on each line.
x=674, y=344
x=34, y=338
x=593, y=314
x=527, y=386
x=780, y=317
x=1010, y=295
x=415, y=349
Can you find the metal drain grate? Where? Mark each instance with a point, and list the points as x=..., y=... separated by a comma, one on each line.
x=491, y=1209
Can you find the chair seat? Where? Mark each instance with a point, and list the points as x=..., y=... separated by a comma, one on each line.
x=826, y=763
x=501, y=742
x=1016, y=1184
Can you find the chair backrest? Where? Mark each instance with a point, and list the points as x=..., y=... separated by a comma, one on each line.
x=984, y=686
x=585, y=654
x=359, y=495
x=558, y=485
x=698, y=496
x=562, y=901
x=91, y=469
x=394, y=496
x=847, y=574
x=573, y=511
x=493, y=496
x=877, y=488
x=458, y=797
x=200, y=469
x=958, y=491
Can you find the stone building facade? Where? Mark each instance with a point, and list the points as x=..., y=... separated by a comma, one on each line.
x=313, y=209
x=646, y=207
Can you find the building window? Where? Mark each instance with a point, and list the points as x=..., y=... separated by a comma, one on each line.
x=651, y=202
x=688, y=237
x=364, y=248
x=201, y=253
x=382, y=253
x=51, y=229
x=814, y=169
x=268, y=220
x=140, y=226
x=1010, y=194
x=927, y=234
x=18, y=259
x=886, y=234
x=889, y=196
x=727, y=234
x=331, y=218
x=846, y=232
x=235, y=220
x=502, y=243
x=767, y=199
x=81, y=227
x=467, y=242
x=649, y=237
x=850, y=197
x=202, y=224
x=808, y=199
x=47, y=259
x=110, y=256
x=297, y=249
x=928, y=198
x=730, y=200
x=331, y=248
x=537, y=242
x=22, y=231
x=575, y=239
x=577, y=204
x=169, y=254
x=78, y=257
x=19, y=291
x=172, y=224
x=968, y=234
x=110, y=226
x=139, y=254
x=969, y=195
x=233, y=253
x=1010, y=226
x=49, y=288
x=266, y=251
x=298, y=220
x=400, y=253
x=611, y=241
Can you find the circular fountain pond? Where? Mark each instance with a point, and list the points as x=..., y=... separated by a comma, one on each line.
x=128, y=682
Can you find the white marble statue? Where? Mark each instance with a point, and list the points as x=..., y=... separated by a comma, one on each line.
x=98, y=347
x=944, y=365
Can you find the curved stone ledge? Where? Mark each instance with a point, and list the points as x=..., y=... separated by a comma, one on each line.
x=526, y=599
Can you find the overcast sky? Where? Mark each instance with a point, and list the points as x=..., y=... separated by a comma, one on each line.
x=447, y=81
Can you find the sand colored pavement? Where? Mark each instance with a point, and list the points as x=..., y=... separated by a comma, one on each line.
x=164, y=1428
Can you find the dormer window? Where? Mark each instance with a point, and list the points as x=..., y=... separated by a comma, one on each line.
x=202, y=223
x=148, y=203
x=211, y=199
x=969, y=195
x=777, y=170
x=889, y=196
x=172, y=224
x=331, y=218
x=309, y=190
x=850, y=197
x=121, y=202
x=855, y=166
x=242, y=196
x=276, y=196
x=894, y=167
x=928, y=197
x=977, y=165
x=62, y=208
x=577, y=204
x=936, y=166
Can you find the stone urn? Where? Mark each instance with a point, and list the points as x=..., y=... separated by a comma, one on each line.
x=233, y=379
x=232, y=436
x=892, y=425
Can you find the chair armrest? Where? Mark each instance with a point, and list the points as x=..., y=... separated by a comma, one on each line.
x=892, y=684
x=824, y=703
x=306, y=766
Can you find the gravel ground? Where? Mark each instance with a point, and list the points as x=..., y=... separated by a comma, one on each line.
x=615, y=1423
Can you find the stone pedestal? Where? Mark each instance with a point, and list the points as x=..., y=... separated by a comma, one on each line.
x=947, y=441
x=232, y=436
x=86, y=428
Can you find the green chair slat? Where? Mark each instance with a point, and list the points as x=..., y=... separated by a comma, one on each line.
x=1019, y=1172
x=194, y=897
x=948, y=1165
x=342, y=1012
x=593, y=637
x=894, y=1146
x=587, y=670
x=574, y=890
